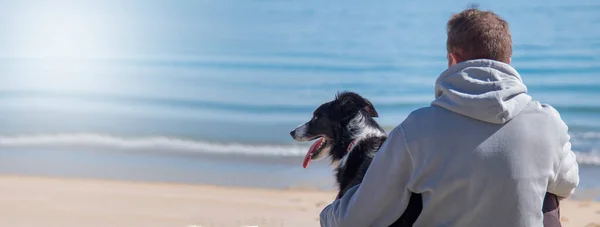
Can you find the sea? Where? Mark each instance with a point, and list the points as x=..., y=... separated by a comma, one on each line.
x=206, y=92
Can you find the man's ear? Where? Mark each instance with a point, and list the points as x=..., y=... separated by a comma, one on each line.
x=452, y=59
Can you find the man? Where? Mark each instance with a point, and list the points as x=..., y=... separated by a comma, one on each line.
x=483, y=154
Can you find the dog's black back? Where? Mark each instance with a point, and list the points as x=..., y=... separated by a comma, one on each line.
x=357, y=163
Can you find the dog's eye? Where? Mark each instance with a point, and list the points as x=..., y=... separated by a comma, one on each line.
x=315, y=118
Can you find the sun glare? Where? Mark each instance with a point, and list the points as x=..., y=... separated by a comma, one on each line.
x=63, y=36
x=61, y=39
x=54, y=32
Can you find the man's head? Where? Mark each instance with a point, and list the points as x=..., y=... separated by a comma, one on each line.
x=476, y=34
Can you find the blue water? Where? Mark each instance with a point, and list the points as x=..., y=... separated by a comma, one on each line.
x=233, y=78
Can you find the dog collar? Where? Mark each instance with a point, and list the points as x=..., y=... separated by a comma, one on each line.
x=350, y=146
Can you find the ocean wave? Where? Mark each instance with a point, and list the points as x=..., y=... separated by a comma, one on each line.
x=586, y=135
x=167, y=144
x=588, y=158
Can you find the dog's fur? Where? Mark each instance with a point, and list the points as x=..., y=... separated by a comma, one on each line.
x=352, y=137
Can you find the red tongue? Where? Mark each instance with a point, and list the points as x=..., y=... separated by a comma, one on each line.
x=312, y=148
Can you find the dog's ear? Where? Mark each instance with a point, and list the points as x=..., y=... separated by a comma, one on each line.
x=370, y=109
x=355, y=102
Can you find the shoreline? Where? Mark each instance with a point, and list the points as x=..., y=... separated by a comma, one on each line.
x=65, y=202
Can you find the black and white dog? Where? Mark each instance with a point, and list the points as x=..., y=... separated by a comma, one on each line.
x=344, y=130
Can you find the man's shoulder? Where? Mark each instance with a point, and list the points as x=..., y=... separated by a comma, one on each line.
x=545, y=109
x=424, y=114
x=420, y=120
x=551, y=114
x=425, y=111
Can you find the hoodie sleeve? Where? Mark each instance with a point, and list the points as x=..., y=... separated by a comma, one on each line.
x=566, y=175
x=383, y=195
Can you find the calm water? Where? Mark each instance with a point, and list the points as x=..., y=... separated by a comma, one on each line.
x=93, y=82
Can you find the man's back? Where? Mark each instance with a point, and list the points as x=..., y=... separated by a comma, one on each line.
x=482, y=174
x=476, y=167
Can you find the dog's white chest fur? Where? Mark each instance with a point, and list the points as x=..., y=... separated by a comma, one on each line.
x=365, y=131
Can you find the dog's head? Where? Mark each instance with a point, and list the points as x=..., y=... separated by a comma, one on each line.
x=330, y=122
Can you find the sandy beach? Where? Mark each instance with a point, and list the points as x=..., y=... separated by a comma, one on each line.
x=49, y=202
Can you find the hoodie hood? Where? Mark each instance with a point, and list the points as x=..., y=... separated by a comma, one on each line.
x=485, y=90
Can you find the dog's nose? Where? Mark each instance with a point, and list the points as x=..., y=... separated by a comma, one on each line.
x=293, y=133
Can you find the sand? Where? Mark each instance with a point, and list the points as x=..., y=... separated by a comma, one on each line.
x=49, y=202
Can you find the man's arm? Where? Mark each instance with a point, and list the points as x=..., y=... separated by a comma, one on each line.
x=566, y=176
x=383, y=195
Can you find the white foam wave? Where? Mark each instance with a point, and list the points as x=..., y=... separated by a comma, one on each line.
x=591, y=158
x=148, y=143
x=166, y=144
x=586, y=135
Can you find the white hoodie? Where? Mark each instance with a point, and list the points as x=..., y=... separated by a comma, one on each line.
x=483, y=154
